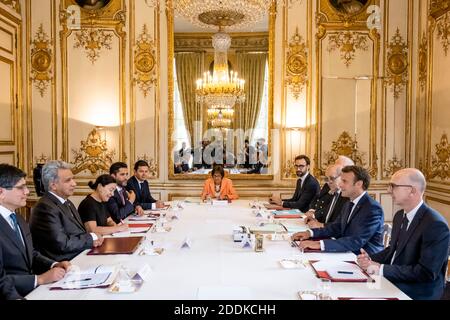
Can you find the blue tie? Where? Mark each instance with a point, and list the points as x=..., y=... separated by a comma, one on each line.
x=16, y=226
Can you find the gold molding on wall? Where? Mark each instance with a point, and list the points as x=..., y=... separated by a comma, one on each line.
x=297, y=65
x=41, y=60
x=12, y=102
x=397, y=64
x=111, y=18
x=347, y=42
x=322, y=30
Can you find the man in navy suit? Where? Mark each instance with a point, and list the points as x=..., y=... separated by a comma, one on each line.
x=306, y=190
x=122, y=203
x=138, y=184
x=416, y=259
x=25, y=267
x=360, y=224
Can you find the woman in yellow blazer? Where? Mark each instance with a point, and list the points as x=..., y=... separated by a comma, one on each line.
x=219, y=187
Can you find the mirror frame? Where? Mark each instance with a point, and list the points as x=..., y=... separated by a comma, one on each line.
x=171, y=54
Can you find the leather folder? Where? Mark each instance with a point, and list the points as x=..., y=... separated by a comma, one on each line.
x=325, y=275
x=117, y=246
x=140, y=225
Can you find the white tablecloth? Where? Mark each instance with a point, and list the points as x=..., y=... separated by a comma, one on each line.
x=217, y=267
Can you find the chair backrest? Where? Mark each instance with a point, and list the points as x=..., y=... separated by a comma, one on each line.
x=387, y=230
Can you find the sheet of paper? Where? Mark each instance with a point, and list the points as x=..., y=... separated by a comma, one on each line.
x=335, y=270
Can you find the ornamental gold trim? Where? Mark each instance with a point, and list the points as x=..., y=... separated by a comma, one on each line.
x=145, y=62
x=347, y=43
x=443, y=32
x=93, y=155
x=93, y=41
x=289, y=170
x=397, y=64
x=423, y=61
x=439, y=7
x=440, y=161
x=297, y=65
x=152, y=165
x=13, y=4
x=345, y=145
x=393, y=166
x=41, y=61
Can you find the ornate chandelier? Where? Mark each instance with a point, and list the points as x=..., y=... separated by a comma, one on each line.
x=222, y=89
x=220, y=118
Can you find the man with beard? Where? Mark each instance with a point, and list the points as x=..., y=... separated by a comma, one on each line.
x=306, y=190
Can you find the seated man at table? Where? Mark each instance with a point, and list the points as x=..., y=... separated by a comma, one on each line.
x=24, y=266
x=121, y=204
x=138, y=184
x=327, y=207
x=416, y=259
x=56, y=226
x=218, y=187
x=306, y=190
x=360, y=224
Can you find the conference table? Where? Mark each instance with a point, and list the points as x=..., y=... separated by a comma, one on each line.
x=217, y=268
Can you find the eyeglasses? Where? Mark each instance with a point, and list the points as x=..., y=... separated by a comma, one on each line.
x=330, y=179
x=300, y=165
x=392, y=186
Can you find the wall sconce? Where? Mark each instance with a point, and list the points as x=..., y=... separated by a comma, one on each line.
x=93, y=154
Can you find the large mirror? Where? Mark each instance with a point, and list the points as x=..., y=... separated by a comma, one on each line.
x=220, y=93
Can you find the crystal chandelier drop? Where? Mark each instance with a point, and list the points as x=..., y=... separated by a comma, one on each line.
x=222, y=89
x=220, y=118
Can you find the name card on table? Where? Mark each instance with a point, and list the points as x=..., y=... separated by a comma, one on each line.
x=220, y=203
x=143, y=273
x=247, y=242
x=187, y=243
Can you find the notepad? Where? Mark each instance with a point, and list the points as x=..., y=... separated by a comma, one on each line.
x=341, y=271
x=95, y=277
x=268, y=228
x=287, y=212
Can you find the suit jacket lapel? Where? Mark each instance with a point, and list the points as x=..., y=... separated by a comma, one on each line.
x=412, y=226
x=28, y=244
x=355, y=211
x=9, y=232
x=67, y=211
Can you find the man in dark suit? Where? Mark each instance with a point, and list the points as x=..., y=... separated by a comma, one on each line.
x=306, y=190
x=122, y=203
x=7, y=289
x=327, y=206
x=416, y=258
x=361, y=222
x=56, y=226
x=138, y=184
x=25, y=268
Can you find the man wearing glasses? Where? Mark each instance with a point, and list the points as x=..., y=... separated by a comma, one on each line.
x=306, y=190
x=327, y=206
x=25, y=267
x=416, y=259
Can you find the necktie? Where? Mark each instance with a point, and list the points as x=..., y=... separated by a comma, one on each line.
x=122, y=198
x=401, y=235
x=141, y=186
x=350, y=207
x=16, y=226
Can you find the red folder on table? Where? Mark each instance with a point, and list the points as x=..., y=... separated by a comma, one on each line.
x=140, y=225
x=357, y=298
x=325, y=275
x=117, y=246
x=288, y=216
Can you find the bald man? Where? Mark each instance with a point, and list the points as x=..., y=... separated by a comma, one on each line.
x=327, y=207
x=344, y=161
x=416, y=259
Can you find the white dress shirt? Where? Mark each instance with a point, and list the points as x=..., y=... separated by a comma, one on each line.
x=410, y=216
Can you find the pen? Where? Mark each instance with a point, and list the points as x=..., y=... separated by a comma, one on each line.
x=345, y=272
x=87, y=279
